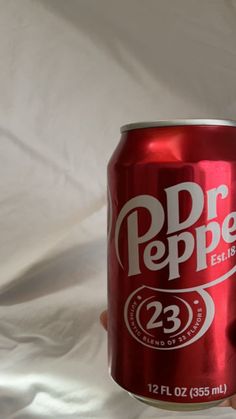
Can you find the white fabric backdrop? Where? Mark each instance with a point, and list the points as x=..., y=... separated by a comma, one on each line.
x=72, y=72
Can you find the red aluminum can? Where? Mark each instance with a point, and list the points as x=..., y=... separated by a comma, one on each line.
x=172, y=262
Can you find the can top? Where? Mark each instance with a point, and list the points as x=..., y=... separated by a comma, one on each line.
x=178, y=122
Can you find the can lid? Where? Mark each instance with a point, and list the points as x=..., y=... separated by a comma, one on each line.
x=178, y=122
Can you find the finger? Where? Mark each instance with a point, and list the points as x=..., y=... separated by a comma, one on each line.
x=233, y=402
x=229, y=402
x=103, y=319
x=225, y=403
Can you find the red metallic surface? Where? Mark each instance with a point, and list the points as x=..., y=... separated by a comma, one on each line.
x=172, y=327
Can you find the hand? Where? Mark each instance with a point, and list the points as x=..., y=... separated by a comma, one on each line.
x=226, y=403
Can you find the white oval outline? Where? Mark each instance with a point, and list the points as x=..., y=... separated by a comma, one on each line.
x=210, y=306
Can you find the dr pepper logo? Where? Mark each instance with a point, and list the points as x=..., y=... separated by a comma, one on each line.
x=205, y=234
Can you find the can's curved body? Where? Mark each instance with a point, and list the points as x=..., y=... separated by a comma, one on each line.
x=172, y=263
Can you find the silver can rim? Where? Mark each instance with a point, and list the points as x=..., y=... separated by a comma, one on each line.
x=178, y=122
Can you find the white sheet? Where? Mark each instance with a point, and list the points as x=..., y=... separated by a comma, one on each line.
x=71, y=73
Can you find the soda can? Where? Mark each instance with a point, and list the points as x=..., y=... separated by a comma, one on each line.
x=172, y=262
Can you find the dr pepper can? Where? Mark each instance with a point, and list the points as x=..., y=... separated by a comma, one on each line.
x=172, y=262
